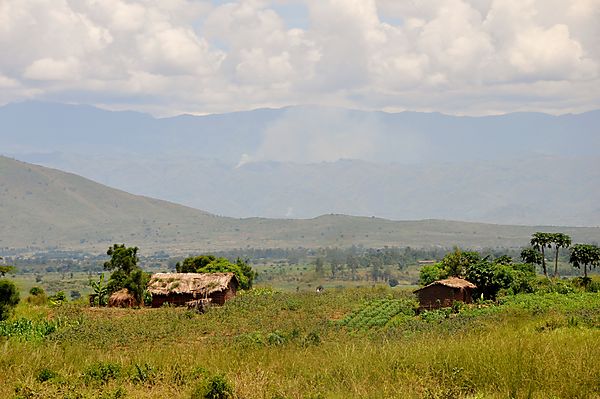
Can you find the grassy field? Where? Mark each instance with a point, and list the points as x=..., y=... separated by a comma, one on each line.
x=343, y=343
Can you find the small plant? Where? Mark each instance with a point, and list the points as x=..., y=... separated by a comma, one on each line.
x=46, y=374
x=102, y=373
x=217, y=387
x=143, y=374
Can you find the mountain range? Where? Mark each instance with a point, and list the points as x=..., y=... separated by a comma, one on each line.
x=301, y=162
x=47, y=209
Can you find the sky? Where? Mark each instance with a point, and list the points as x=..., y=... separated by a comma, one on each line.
x=167, y=57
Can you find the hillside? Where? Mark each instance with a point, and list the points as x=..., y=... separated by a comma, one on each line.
x=42, y=208
x=301, y=162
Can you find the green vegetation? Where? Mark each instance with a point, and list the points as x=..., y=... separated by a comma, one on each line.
x=490, y=276
x=586, y=255
x=9, y=298
x=125, y=271
x=212, y=264
x=365, y=342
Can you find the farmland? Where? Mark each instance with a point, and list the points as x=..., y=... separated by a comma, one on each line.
x=348, y=342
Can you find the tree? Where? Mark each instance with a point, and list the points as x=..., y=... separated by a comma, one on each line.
x=539, y=241
x=6, y=269
x=211, y=264
x=491, y=277
x=121, y=258
x=456, y=263
x=9, y=298
x=430, y=273
x=192, y=264
x=125, y=271
x=585, y=255
x=559, y=240
x=531, y=256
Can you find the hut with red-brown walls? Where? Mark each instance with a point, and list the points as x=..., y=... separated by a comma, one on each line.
x=443, y=293
x=180, y=288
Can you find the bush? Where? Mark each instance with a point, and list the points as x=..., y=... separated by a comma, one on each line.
x=9, y=298
x=102, y=373
x=217, y=387
x=46, y=375
x=37, y=296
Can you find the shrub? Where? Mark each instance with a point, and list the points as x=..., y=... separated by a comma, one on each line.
x=101, y=373
x=217, y=387
x=37, y=296
x=46, y=374
x=9, y=298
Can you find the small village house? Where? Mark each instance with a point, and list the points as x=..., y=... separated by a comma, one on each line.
x=180, y=288
x=443, y=293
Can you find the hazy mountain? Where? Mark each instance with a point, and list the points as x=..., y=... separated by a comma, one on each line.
x=524, y=168
x=46, y=208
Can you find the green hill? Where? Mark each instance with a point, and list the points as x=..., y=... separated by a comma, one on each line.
x=42, y=208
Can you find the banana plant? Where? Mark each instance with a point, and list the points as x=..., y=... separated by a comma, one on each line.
x=100, y=294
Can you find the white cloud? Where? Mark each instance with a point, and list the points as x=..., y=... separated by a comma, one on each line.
x=52, y=69
x=457, y=56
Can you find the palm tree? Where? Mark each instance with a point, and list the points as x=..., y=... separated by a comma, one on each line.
x=559, y=240
x=539, y=241
x=586, y=255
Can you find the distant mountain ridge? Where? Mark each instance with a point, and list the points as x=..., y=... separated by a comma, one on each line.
x=522, y=168
x=42, y=208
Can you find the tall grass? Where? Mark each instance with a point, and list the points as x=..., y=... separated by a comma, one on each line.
x=296, y=346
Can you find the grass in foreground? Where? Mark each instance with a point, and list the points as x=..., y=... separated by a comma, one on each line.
x=305, y=345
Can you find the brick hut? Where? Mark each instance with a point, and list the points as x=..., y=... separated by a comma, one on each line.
x=443, y=293
x=180, y=288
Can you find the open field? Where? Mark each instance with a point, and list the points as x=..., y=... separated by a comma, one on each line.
x=358, y=343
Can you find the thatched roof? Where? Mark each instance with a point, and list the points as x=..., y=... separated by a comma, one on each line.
x=452, y=282
x=198, y=284
x=123, y=299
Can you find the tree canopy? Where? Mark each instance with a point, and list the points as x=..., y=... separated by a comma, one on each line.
x=490, y=276
x=125, y=271
x=540, y=241
x=586, y=255
x=211, y=264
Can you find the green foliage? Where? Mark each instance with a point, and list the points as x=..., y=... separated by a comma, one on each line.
x=559, y=240
x=9, y=298
x=586, y=255
x=28, y=330
x=430, y=273
x=540, y=241
x=36, y=291
x=192, y=264
x=531, y=256
x=454, y=264
x=58, y=299
x=492, y=277
x=216, y=387
x=121, y=258
x=99, y=297
x=126, y=273
x=102, y=372
x=46, y=374
x=211, y=264
x=37, y=296
x=378, y=313
x=6, y=269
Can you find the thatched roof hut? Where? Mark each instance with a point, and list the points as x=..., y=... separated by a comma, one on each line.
x=180, y=288
x=443, y=293
x=122, y=299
